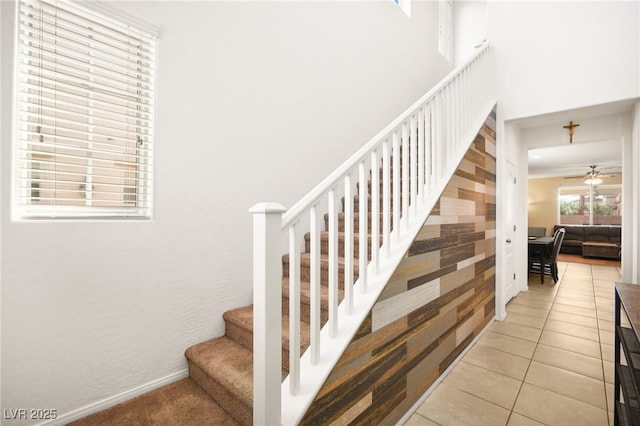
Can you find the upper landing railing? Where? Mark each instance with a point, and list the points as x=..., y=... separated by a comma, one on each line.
x=411, y=161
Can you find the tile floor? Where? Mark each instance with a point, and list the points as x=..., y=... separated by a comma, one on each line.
x=549, y=363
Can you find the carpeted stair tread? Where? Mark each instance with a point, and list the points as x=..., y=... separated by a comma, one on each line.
x=182, y=403
x=243, y=318
x=305, y=293
x=223, y=363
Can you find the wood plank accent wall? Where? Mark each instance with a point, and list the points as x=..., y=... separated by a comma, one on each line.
x=438, y=299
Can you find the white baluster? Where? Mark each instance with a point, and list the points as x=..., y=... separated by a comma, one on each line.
x=315, y=311
x=294, y=311
x=348, y=244
x=375, y=210
x=405, y=173
x=413, y=169
x=396, y=157
x=386, y=197
x=267, y=312
x=363, y=234
x=333, y=265
x=436, y=141
x=428, y=146
x=421, y=159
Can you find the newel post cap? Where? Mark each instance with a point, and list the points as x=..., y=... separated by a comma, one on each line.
x=267, y=207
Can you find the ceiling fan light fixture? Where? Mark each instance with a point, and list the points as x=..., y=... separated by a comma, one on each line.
x=593, y=177
x=593, y=181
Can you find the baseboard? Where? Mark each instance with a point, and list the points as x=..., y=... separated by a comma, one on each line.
x=446, y=372
x=116, y=399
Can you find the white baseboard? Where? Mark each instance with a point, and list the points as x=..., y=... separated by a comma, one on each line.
x=64, y=418
x=446, y=372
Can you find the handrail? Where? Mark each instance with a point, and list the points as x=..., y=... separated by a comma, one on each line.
x=306, y=201
x=392, y=182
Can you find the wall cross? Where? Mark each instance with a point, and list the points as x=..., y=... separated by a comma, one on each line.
x=570, y=127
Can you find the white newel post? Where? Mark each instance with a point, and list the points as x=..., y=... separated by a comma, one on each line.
x=267, y=310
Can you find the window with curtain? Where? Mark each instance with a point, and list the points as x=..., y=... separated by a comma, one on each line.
x=85, y=97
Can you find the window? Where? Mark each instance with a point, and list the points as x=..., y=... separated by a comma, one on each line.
x=590, y=205
x=445, y=29
x=84, y=114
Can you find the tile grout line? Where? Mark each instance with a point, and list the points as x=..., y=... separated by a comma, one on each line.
x=559, y=283
x=604, y=377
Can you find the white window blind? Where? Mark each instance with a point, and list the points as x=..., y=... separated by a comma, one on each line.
x=85, y=101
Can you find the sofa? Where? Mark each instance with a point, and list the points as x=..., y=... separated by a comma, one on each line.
x=592, y=241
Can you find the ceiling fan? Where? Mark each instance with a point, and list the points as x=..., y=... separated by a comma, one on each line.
x=594, y=176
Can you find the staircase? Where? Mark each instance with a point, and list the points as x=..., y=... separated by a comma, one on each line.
x=224, y=366
x=311, y=301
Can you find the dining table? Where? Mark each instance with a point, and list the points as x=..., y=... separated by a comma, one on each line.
x=539, y=249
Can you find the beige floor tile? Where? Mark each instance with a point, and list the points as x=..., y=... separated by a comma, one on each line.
x=577, y=279
x=571, y=343
x=606, y=325
x=605, y=304
x=591, y=305
x=523, y=309
x=418, y=420
x=606, y=315
x=525, y=319
x=567, y=383
x=486, y=384
x=532, y=301
x=604, y=283
x=607, y=337
x=450, y=406
x=574, y=295
x=498, y=361
x=574, y=310
x=604, y=292
x=573, y=330
x=608, y=352
x=573, y=319
x=516, y=330
x=554, y=409
x=606, y=273
x=608, y=367
x=520, y=420
x=512, y=345
x=568, y=360
x=609, y=389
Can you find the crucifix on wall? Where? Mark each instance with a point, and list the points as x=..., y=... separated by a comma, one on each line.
x=570, y=127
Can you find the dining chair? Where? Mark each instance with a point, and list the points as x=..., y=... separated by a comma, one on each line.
x=549, y=265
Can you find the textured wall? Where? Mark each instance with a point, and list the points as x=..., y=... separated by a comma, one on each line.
x=438, y=299
x=256, y=101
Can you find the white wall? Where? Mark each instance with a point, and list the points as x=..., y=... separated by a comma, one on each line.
x=559, y=55
x=256, y=102
x=470, y=18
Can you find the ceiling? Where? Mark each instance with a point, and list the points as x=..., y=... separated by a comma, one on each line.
x=566, y=160
x=574, y=160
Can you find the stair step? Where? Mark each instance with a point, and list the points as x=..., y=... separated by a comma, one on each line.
x=356, y=221
x=305, y=300
x=179, y=403
x=356, y=203
x=239, y=328
x=305, y=269
x=224, y=369
x=324, y=243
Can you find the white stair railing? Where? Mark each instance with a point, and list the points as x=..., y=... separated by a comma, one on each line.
x=412, y=160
